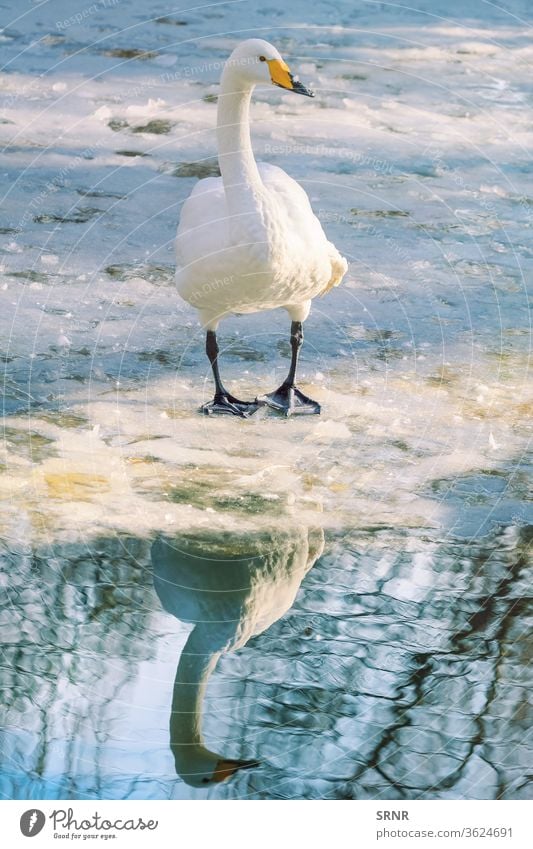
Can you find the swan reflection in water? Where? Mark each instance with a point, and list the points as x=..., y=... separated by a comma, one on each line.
x=230, y=586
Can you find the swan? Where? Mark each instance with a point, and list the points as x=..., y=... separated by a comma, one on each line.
x=249, y=241
x=231, y=587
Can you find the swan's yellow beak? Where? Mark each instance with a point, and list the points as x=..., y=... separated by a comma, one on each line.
x=225, y=768
x=280, y=75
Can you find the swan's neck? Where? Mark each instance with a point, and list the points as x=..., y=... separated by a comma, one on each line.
x=240, y=175
x=195, y=666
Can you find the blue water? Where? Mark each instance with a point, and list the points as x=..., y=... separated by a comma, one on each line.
x=402, y=667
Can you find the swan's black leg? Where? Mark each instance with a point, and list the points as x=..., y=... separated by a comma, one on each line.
x=288, y=399
x=223, y=402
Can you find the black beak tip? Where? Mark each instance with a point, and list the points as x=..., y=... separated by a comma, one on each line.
x=300, y=88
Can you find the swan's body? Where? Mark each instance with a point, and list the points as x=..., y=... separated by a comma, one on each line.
x=275, y=254
x=230, y=589
x=248, y=240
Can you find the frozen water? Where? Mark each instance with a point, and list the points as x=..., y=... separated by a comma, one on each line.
x=401, y=670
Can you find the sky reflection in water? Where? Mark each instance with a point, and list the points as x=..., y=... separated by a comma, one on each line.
x=397, y=662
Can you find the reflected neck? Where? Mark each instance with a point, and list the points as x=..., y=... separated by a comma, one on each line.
x=195, y=667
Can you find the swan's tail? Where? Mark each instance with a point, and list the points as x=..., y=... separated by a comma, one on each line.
x=339, y=267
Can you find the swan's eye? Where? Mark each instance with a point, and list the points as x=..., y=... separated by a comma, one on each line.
x=262, y=58
x=205, y=781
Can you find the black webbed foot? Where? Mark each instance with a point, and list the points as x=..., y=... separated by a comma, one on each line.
x=227, y=404
x=290, y=401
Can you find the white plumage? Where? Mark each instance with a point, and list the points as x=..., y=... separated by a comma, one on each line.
x=248, y=240
x=275, y=256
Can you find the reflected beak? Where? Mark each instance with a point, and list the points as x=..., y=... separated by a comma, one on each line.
x=226, y=768
x=280, y=75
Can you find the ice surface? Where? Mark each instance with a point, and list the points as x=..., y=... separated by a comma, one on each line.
x=402, y=669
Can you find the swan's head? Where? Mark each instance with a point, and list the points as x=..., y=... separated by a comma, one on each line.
x=199, y=767
x=256, y=62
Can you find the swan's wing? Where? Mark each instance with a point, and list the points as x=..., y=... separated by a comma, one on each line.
x=316, y=542
x=299, y=209
x=294, y=197
x=203, y=222
x=195, y=584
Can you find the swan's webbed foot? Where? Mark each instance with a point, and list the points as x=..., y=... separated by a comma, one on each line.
x=290, y=401
x=225, y=404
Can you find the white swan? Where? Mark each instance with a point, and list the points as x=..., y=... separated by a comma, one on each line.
x=231, y=587
x=249, y=241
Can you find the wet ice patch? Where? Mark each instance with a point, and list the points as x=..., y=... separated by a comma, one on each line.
x=325, y=431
